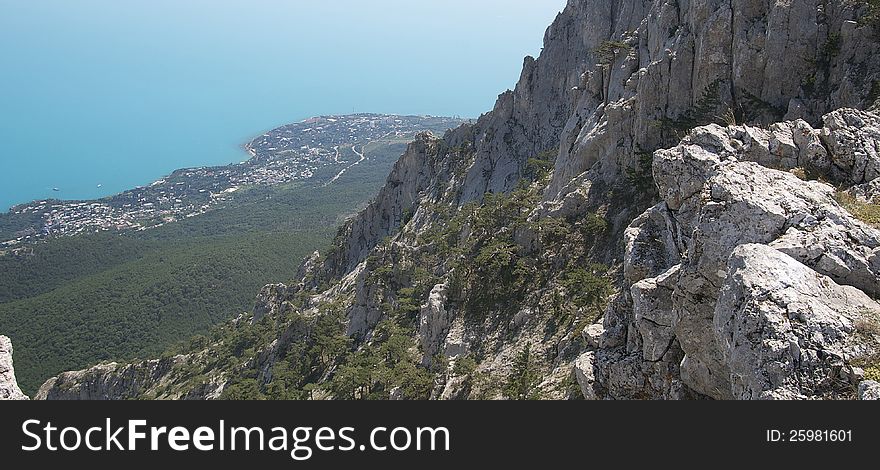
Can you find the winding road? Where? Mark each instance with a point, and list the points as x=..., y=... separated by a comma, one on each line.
x=359, y=154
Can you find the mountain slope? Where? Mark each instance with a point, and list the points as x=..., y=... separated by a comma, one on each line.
x=69, y=302
x=553, y=249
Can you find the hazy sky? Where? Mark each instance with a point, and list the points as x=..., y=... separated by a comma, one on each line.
x=468, y=47
x=127, y=90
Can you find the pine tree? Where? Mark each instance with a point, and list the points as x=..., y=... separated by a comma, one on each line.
x=525, y=378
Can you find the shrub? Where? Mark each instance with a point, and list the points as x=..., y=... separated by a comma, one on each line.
x=704, y=112
x=537, y=169
x=871, y=366
x=464, y=366
x=609, y=50
x=246, y=390
x=378, y=368
x=588, y=287
x=641, y=178
x=866, y=212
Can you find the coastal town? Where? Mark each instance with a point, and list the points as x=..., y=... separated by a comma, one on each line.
x=321, y=148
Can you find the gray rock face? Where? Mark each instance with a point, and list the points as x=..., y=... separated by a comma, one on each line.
x=784, y=329
x=773, y=280
x=268, y=301
x=670, y=59
x=121, y=382
x=868, y=192
x=412, y=174
x=592, y=335
x=650, y=247
x=584, y=372
x=853, y=139
x=654, y=315
x=434, y=323
x=869, y=390
x=8, y=385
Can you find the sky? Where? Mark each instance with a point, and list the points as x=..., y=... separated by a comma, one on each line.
x=119, y=93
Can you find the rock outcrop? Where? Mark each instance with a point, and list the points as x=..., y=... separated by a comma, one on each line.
x=655, y=68
x=769, y=296
x=785, y=331
x=8, y=385
x=433, y=323
x=265, y=303
x=113, y=381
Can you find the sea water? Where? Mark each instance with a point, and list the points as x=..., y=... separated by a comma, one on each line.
x=98, y=96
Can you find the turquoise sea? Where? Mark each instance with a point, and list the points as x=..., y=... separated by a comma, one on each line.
x=98, y=96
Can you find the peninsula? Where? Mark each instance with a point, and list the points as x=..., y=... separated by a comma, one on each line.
x=319, y=148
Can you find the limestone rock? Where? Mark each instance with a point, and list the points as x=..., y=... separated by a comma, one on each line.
x=650, y=247
x=785, y=330
x=653, y=313
x=868, y=192
x=717, y=198
x=111, y=381
x=721, y=202
x=592, y=335
x=457, y=343
x=8, y=385
x=583, y=369
x=268, y=301
x=411, y=175
x=308, y=270
x=679, y=54
x=434, y=322
x=869, y=390
x=842, y=248
x=853, y=138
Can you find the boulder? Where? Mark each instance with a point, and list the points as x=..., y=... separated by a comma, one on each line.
x=592, y=335
x=786, y=331
x=853, y=138
x=583, y=370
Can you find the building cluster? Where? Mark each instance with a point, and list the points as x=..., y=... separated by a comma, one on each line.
x=290, y=153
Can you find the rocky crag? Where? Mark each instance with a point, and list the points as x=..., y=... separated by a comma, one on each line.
x=746, y=281
x=8, y=386
x=676, y=201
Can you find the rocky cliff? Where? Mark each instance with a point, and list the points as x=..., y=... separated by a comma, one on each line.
x=113, y=381
x=675, y=201
x=747, y=281
x=8, y=386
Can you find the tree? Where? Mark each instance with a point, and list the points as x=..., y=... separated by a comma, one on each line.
x=588, y=287
x=330, y=339
x=524, y=378
x=245, y=390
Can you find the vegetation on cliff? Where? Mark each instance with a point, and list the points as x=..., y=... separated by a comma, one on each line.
x=75, y=301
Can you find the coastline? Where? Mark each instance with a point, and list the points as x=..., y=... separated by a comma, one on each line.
x=292, y=152
x=245, y=147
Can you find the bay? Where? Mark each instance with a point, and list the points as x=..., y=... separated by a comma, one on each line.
x=99, y=96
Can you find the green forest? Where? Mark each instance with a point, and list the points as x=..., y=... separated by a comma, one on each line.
x=78, y=301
